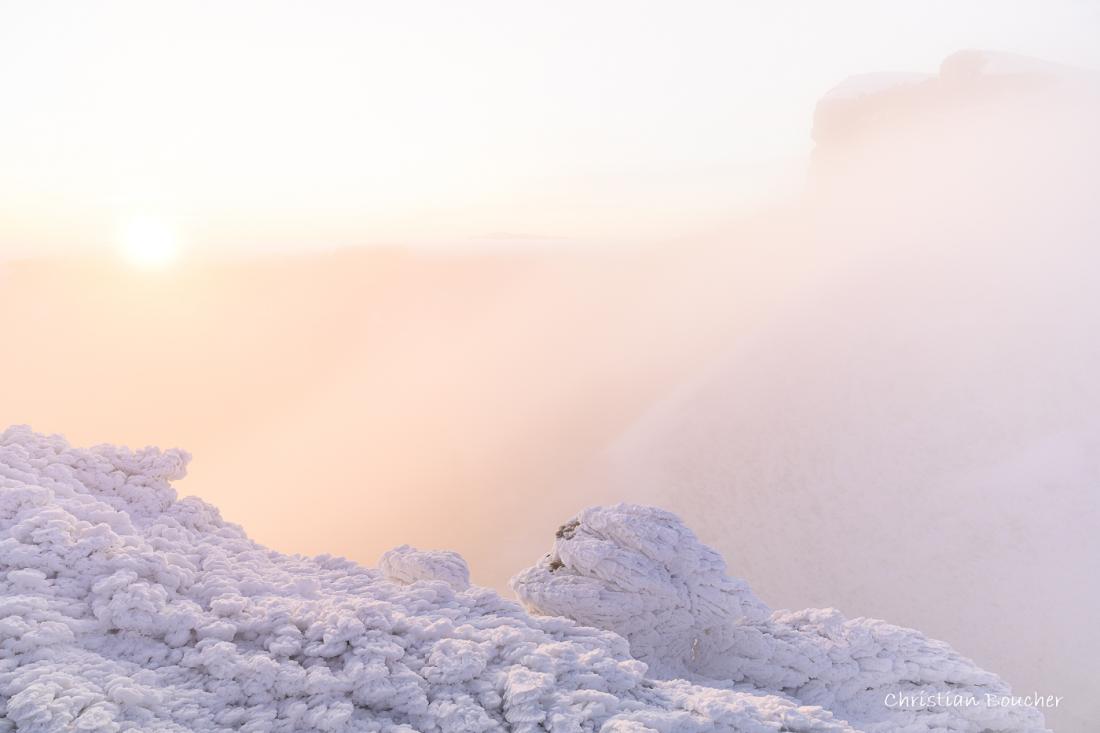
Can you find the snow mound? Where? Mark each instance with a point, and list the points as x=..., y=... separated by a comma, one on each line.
x=640, y=572
x=125, y=608
x=406, y=564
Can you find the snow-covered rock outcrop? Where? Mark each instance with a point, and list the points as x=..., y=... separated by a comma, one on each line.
x=125, y=608
x=640, y=572
x=868, y=104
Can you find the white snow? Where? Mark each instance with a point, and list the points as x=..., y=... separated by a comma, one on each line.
x=125, y=608
x=640, y=572
x=406, y=564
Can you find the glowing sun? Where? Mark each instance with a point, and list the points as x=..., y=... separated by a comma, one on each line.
x=149, y=242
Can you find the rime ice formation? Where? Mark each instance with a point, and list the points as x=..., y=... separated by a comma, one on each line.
x=123, y=608
x=406, y=564
x=640, y=572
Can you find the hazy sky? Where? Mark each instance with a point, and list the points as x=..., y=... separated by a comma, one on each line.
x=245, y=125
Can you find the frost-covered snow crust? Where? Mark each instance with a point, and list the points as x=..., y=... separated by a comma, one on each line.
x=640, y=572
x=125, y=608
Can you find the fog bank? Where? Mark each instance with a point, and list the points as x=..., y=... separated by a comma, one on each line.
x=916, y=435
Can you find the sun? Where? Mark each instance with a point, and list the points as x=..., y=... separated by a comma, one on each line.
x=149, y=242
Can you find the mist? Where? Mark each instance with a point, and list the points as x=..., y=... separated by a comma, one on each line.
x=914, y=435
x=387, y=396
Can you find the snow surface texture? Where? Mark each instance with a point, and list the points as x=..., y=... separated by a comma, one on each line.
x=640, y=572
x=406, y=564
x=123, y=608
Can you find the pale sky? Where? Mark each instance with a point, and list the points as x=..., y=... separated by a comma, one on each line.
x=245, y=126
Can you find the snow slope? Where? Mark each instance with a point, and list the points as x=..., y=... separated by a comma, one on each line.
x=125, y=608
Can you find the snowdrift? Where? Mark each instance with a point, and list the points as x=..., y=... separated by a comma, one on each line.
x=125, y=608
